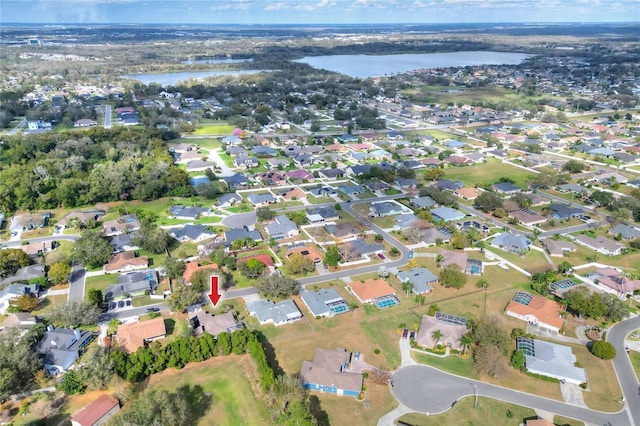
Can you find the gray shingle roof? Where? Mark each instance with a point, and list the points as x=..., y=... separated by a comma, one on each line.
x=318, y=301
x=277, y=313
x=420, y=278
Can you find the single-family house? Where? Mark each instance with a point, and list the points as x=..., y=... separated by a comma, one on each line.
x=271, y=178
x=59, y=348
x=330, y=174
x=79, y=217
x=133, y=284
x=25, y=274
x=12, y=291
x=293, y=194
x=451, y=327
x=446, y=214
x=406, y=183
x=513, y=243
x=268, y=312
x=20, y=320
x=467, y=193
x=625, y=232
x=325, y=302
x=406, y=221
x=375, y=291
x=97, y=413
x=558, y=248
x=387, y=208
x=434, y=235
x=614, y=280
x=528, y=217
x=449, y=185
x=328, y=372
x=200, y=165
x=187, y=212
x=134, y=335
x=299, y=175
x=421, y=279
x=359, y=248
x=564, y=212
x=536, y=310
x=322, y=214
x=506, y=188
x=352, y=190
x=261, y=199
x=202, y=322
x=601, y=244
x=192, y=233
x=126, y=261
x=423, y=202
x=236, y=181
x=551, y=360
x=228, y=200
x=234, y=234
x=281, y=227
x=123, y=225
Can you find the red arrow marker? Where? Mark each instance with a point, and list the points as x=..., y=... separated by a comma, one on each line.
x=214, y=295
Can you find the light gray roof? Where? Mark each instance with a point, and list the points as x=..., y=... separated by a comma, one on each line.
x=261, y=198
x=133, y=282
x=446, y=214
x=423, y=202
x=552, y=360
x=406, y=220
x=361, y=247
x=324, y=212
x=59, y=347
x=318, y=301
x=386, y=208
x=277, y=313
x=627, y=232
x=191, y=232
x=511, y=242
x=420, y=278
x=281, y=225
x=225, y=198
x=238, y=233
x=17, y=290
x=26, y=273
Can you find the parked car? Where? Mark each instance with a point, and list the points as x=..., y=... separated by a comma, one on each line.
x=112, y=305
x=405, y=333
x=128, y=302
x=121, y=304
x=381, y=256
x=153, y=309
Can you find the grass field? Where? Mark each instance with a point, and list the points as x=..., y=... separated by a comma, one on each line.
x=490, y=412
x=49, y=302
x=487, y=173
x=565, y=421
x=212, y=128
x=635, y=362
x=231, y=382
x=99, y=282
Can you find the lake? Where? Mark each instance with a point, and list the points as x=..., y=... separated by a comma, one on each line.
x=216, y=61
x=379, y=65
x=172, y=78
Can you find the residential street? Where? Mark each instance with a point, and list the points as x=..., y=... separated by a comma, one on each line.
x=107, y=116
x=624, y=370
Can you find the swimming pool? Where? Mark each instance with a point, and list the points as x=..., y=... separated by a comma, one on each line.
x=386, y=301
x=475, y=269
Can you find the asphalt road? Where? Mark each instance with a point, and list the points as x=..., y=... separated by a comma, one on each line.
x=107, y=116
x=624, y=370
x=131, y=312
x=18, y=243
x=76, y=283
x=428, y=390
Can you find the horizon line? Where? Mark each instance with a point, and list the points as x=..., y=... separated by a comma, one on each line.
x=325, y=23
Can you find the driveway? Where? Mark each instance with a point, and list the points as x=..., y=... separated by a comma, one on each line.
x=428, y=390
x=76, y=283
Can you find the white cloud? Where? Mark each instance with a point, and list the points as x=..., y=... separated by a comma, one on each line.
x=275, y=6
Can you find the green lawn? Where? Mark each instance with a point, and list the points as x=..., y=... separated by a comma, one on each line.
x=100, y=282
x=488, y=173
x=218, y=129
x=533, y=261
x=489, y=412
x=451, y=364
x=635, y=362
x=229, y=380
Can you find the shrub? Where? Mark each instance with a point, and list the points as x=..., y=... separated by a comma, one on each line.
x=376, y=351
x=603, y=350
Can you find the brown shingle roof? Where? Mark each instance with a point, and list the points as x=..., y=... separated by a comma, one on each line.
x=371, y=289
x=133, y=335
x=191, y=267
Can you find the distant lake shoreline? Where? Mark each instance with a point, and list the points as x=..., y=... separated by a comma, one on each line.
x=364, y=66
x=172, y=78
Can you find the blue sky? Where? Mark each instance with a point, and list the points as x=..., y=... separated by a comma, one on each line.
x=317, y=11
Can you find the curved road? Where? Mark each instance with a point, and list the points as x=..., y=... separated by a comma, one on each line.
x=428, y=390
x=626, y=375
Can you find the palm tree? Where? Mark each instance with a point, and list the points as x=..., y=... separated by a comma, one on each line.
x=437, y=335
x=353, y=306
x=420, y=299
x=407, y=286
x=482, y=283
x=439, y=259
x=466, y=341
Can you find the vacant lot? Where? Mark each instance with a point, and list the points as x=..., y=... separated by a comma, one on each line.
x=232, y=383
x=488, y=173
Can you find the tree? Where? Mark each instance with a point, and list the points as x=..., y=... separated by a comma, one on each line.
x=488, y=202
x=451, y=276
x=161, y=407
x=602, y=199
x=407, y=286
x=332, y=255
x=11, y=260
x=94, y=297
x=437, y=335
x=92, y=249
x=565, y=268
x=251, y=268
x=413, y=235
x=603, y=349
x=298, y=263
x=299, y=217
x=71, y=383
x=489, y=360
x=353, y=306
x=25, y=303
x=264, y=213
x=59, y=273
x=276, y=285
x=617, y=310
x=182, y=296
x=18, y=361
x=465, y=341
x=518, y=360
x=174, y=268
x=573, y=166
x=489, y=331
x=153, y=239
x=74, y=314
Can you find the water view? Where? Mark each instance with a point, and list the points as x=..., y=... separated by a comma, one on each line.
x=172, y=78
x=379, y=65
x=216, y=61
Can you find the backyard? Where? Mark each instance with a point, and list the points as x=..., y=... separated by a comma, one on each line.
x=485, y=173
